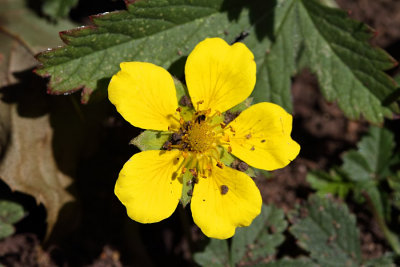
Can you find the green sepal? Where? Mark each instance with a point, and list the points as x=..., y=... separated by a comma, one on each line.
x=150, y=140
x=181, y=89
x=187, y=188
x=227, y=159
x=243, y=105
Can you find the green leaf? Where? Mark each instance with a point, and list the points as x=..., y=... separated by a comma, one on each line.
x=328, y=232
x=261, y=238
x=329, y=183
x=10, y=212
x=371, y=163
x=150, y=140
x=373, y=157
x=24, y=25
x=357, y=167
x=394, y=183
x=375, y=153
x=216, y=254
x=6, y=230
x=58, y=8
x=335, y=48
x=302, y=262
x=385, y=261
x=158, y=31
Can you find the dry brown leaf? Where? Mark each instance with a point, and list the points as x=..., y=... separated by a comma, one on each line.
x=27, y=162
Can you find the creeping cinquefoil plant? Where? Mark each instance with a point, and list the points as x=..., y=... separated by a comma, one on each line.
x=218, y=77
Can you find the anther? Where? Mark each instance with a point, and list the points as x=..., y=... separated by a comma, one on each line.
x=193, y=172
x=248, y=136
x=179, y=109
x=224, y=189
x=184, y=170
x=229, y=149
x=220, y=165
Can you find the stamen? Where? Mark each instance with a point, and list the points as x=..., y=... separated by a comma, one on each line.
x=199, y=103
x=193, y=171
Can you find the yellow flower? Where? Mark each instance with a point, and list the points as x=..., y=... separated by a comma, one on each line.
x=218, y=77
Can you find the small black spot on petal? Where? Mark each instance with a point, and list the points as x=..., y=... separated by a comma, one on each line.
x=224, y=189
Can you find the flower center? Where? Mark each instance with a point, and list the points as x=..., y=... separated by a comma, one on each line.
x=198, y=139
x=200, y=135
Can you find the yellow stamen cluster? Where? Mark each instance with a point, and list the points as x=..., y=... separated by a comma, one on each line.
x=198, y=139
x=200, y=136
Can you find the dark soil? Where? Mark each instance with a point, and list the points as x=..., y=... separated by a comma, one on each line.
x=102, y=238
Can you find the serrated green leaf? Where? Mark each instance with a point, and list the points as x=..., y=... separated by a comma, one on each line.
x=326, y=183
x=329, y=232
x=385, y=261
x=376, y=150
x=10, y=212
x=357, y=167
x=302, y=262
x=158, y=31
x=150, y=140
x=371, y=163
x=261, y=238
x=58, y=8
x=216, y=254
x=6, y=230
x=336, y=49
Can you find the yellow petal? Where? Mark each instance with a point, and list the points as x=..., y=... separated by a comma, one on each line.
x=148, y=185
x=219, y=74
x=218, y=214
x=144, y=94
x=261, y=137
